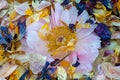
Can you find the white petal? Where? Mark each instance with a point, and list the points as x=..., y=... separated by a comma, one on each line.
x=83, y=17
x=61, y=73
x=65, y=17
x=22, y=8
x=42, y=5
x=73, y=15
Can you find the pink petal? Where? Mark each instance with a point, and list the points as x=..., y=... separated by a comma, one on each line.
x=58, y=12
x=87, y=55
x=84, y=32
x=84, y=68
x=52, y=18
x=92, y=40
x=55, y=15
x=72, y=58
x=87, y=48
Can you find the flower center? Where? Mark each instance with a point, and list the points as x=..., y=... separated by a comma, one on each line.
x=59, y=36
x=60, y=40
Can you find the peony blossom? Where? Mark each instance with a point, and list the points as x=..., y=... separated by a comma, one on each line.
x=52, y=37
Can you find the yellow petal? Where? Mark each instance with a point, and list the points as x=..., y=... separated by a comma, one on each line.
x=42, y=36
x=71, y=70
x=44, y=13
x=77, y=75
x=65, y=63
x=45, y=26
x=11, y=25
x=16, y=30
x=71, y=42
x=12, y=15
x=28, y=12
x=1, y=54
x=78, y=26
x=61, y=73
x=62, y=49
x=87, y=25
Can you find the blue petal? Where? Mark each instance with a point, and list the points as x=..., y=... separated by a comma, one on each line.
x=2, y=40
x=52, y=70
x=5, y=37
x=107, y=3
x=22, y=29
x=5, y=29
x=72, y=27
x=80, y=7
x=103, y=31
x=65, y=2
x=76, y=64
x=45, y=67
x=23, y=76
x=47, y=76
x=90, y=21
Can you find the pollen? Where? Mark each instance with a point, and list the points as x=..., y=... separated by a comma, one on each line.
x=59, y=36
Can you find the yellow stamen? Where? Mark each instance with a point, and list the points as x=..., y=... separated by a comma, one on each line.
x=61, y=39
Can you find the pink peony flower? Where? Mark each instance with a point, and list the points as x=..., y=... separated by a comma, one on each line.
x=54, y=39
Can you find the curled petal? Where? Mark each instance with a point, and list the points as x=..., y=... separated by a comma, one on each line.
x=61, y=73
x=3, y=4
x=112, y=72
x=22, y=8
x=41, y=6
x=7, y=69
x=37, y=62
